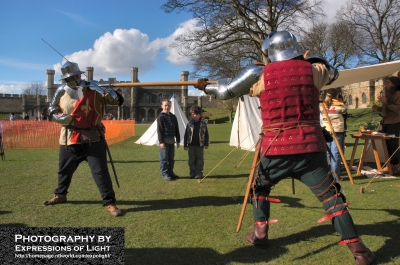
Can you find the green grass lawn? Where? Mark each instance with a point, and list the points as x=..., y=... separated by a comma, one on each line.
x=186, y=222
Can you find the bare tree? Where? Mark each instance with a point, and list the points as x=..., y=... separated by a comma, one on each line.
x=229, y=33
x=35, y=88
x=230, y=105
x=336, y=42
x=377, y=22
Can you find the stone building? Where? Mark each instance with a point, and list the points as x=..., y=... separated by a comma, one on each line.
x=362, y=95
x=31, y=105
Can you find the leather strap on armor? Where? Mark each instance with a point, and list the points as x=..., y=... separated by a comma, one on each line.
x=322, y=183
x=335, y=197
x=336, y=206
x=263, y=198
x=330, y=216
x=270, y=222
x=281, y=126
x=348, y=241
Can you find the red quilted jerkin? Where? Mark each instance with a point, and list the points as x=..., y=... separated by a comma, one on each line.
x=290, y=110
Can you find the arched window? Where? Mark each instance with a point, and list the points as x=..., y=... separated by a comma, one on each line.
x=350, y=100
x=364, y=98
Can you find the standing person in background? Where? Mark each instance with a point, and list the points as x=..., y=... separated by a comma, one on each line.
x=345, y=116
x=168, y=132
x=292, y=144
x=390, y=109
x=12, y=116
x=336, y=111
x=196, y=140
x=79, y=106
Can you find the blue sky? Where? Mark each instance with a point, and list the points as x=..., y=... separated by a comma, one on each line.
x=111, y=36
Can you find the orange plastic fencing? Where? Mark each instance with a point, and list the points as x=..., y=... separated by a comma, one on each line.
x=21, y=134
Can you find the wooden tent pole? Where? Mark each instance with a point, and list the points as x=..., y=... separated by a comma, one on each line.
x=249, y=183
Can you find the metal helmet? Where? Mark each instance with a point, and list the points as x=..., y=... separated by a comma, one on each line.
x=281, y=45
x=70, y=69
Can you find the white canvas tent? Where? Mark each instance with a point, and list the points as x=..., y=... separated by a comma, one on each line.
x=246, y=124
x=150, y=137
x=361, y=74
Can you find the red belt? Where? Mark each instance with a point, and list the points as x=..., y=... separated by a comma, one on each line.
x=270, y=222
x=330, y=216
x=263, y=198
x=347, y=241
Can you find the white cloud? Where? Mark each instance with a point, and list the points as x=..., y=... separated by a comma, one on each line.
x=12, y=89
x=115, y=53
x=173, y=55
x=195, y=92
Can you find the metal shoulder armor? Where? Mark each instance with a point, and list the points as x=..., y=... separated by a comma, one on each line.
x=333, y=72
x=238, y=86
x=54, y=109
x=110, y=94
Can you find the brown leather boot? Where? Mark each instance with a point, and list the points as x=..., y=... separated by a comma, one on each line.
x=56, y=200
x=362, y=255
x=259, y=237
x=113, y=210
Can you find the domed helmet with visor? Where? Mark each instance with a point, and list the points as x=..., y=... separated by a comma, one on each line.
x=71, y=74
x=281, y=45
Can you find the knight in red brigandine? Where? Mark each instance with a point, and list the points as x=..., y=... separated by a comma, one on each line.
x=293, y=144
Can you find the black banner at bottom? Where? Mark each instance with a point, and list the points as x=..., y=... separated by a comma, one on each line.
x=39, y=245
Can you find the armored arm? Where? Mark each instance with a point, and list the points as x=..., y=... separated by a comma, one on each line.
x=333, y=72
x=236, y=87
x=55, y=110
x=111, y=96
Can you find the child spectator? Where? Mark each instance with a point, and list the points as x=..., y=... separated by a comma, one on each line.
x=168, y=132
x=196, y=139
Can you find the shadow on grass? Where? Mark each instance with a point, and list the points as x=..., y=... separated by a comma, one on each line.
x=218, y=142
x=250, y=254
x=141, y=161
x=11, y=224
x=134, y=161
x=276, y=248
x=199, y=256
x=227, y=176
x=155, y=205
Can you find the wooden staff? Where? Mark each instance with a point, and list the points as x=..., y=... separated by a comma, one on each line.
x=250, y=181
x=172, y=83
x=339, y=146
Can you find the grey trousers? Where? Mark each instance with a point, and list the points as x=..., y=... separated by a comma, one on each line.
x=196, y=160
